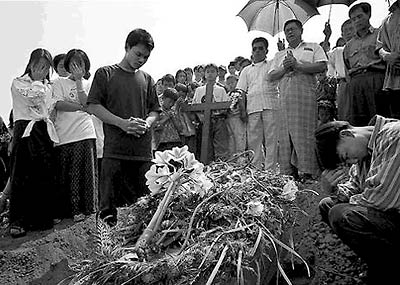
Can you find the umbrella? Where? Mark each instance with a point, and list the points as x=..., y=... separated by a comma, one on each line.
x=319, y=3
x=270, y=15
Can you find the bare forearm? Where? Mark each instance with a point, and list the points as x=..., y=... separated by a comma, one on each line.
x=82, y=96
x=103, y=114
x=311, y=67
x=276, y=74
x=152, y=117
x=68, y=106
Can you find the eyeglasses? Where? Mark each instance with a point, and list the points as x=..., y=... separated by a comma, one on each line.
x=258, y=48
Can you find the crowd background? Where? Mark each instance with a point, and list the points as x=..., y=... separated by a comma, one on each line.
x=52, y=27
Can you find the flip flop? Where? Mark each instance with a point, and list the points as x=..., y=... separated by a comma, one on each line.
x=16, y=231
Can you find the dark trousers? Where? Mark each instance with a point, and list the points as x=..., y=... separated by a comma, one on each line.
x=122, y=183
x=365, y=97
x=373, y=235
x=390, y=107
x=343, y=105
x=219, y=140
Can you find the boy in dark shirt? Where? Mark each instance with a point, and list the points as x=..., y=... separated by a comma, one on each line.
x=125, y=99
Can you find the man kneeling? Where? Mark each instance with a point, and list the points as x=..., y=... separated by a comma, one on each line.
x=365, y=213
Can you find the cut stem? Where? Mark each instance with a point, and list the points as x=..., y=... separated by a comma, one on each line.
x=155, y=222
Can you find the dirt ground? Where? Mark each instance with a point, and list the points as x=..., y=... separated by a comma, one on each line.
x=48, y=257
x=44, y=257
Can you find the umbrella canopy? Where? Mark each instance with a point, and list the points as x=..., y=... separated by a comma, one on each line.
x=270, y=15
x=319, y=3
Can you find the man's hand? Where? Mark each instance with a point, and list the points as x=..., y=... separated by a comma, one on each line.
x=327, y=31
x=331, y=178
x=134, y=126
x=289, y=62
x=392, y=58
x=281, y=44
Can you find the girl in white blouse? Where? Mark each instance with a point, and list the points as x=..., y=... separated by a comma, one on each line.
x=32, y=158
x=76, y=150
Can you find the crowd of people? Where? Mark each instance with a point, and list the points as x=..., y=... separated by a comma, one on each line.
x=79, y=148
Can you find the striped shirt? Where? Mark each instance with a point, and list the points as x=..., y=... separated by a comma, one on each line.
x=262, y=93
x=381, y=189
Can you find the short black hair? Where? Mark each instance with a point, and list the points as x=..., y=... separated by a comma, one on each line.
x=139, y=36
x=364, y=6
x=197, y=67
x=232, y=63
x=260, y=40
x=57, y=59
x=168, y=77
x=77, y=53
x=188, y=69
x=327, y=138
x=345, y=23
x=211, y=65
x=297, y=22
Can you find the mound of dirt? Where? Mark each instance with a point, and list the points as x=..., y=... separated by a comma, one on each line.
x=44, y=257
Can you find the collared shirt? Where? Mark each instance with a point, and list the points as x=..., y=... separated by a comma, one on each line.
x=335, y=59
x=262, y=94
x=360, y=53
x=380, y=187
x=219, y=95
x=304, y=53
x=389, y=40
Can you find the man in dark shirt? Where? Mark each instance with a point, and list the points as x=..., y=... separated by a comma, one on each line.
x=125, y=99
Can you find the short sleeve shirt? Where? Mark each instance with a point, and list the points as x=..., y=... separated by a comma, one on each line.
x=262, y=94
x=360, y=53
x=304, y=53
x=126, y=95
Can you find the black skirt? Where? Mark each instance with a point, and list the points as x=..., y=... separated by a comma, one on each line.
x=32, y=177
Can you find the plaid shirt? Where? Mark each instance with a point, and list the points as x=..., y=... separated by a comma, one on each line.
x=262, y=94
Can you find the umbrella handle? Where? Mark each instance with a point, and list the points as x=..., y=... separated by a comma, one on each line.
x=330, y=12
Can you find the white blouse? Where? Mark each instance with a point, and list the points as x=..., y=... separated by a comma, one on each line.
x=32, y=101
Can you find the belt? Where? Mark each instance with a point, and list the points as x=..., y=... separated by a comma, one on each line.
x=216, y=118
x=367, y=70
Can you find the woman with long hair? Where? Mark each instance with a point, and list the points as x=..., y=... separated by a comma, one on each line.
x=32, y=160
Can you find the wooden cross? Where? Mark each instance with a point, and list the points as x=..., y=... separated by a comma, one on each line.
x=207, y=107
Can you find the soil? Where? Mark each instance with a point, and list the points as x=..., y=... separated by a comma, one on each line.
x=48, y=257
x=44, y=257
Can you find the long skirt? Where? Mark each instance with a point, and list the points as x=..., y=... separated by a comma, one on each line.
x=77, y=178
x=32, y=178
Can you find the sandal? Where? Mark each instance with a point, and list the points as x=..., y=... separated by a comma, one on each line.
x=16, y=231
